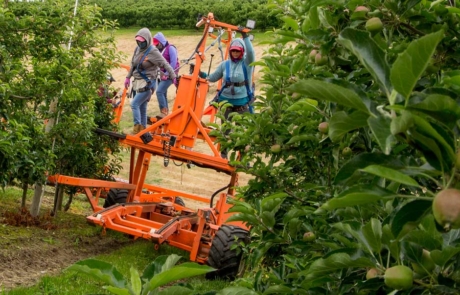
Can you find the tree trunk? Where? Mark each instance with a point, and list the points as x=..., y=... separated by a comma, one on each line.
x=39, y=188
x=38, y=194
x=25, y=186
x=60, y=195
x=69, y=202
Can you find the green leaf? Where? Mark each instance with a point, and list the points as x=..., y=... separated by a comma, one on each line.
x=314, y=18
x=424, y=238
x=242, y=209
x=136, y=284
x=323, y=267
x=272, y=202
x=452, y=237
x=440, y=107
x=402, y=123
x=236, y=291
x=326, y=91
x=268, y=218
x=356, y=233
x=279, y=289
x=302, y=138
x=363, y=160
x=429, y=148
x=298, y=63
x=296, y=212
x=303, y=105
x=442, y=257
x=390, y=174
x=411, y=251
x=160, y=264
x=117, y=291
x=370, y=55
x=381, y=127
x=290, y=23
x=185, y=270
x=176, y=290
x=341, y=123
x=428, y=130
x=249, y=218
x=101, y=270
x=411, y=64
x=409, y=216
x=389, y=240
x=358, y=195
x=372, y=232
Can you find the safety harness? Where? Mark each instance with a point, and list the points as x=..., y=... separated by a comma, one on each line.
x=150, y=85
x=228, y=83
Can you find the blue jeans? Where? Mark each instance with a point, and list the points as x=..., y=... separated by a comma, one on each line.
x=162, y=92
x=139, y=107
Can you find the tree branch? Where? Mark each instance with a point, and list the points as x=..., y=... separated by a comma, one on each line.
x=411, y=28
x=20, y=97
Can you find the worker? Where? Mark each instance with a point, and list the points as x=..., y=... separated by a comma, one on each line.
x=237, y=76
x=169, y=52
x=145, y=64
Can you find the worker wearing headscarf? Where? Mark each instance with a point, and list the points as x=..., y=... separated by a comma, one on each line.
x=169, y=52
x=145, y=64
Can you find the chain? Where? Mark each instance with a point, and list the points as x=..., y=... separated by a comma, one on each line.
x=166, y=148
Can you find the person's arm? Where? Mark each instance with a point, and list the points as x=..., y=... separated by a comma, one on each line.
x=217, y=74
x=250, y=54
x=131, y=68
x=173, y=56
x=158, y=60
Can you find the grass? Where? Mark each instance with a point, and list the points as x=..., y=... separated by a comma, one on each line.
x=71, y=231
x=137, y=255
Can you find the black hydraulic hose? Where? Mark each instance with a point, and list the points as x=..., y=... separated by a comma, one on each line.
x=216, y=192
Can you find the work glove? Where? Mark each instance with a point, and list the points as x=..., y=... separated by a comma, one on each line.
x=243, y=34
x=127, y=82
x=203, y=75
x=164, y=77
x=175, y=82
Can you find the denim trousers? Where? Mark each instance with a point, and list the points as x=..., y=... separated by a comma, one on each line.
x=139, y=107
x=162, y=91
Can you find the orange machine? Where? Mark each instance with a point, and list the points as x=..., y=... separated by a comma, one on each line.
x=157, y=214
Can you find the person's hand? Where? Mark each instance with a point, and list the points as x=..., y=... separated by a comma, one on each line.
x=243, y=34
x=175, y=82
x=164, y=77
x=127, y=82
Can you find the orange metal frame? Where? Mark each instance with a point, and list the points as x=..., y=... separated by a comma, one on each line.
x=150, y=211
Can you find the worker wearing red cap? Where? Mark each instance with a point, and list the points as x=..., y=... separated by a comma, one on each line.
x=169, y=52
x=235, y=89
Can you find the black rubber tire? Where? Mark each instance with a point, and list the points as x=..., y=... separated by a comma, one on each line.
x=116, y=196
x=221, y=255
x=179, y=201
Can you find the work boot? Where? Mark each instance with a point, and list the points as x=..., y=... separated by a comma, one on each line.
x=137, y=129
x=164, y=112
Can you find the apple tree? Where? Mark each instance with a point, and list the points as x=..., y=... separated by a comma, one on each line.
x=53, y=59
x=370, y=201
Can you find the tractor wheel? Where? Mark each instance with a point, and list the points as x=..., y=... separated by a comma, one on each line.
x=221, y=255
x=179, y=201
x=116, y=196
